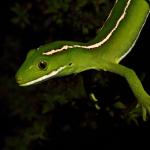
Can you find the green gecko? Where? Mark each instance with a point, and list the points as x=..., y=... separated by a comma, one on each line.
x=111, y=44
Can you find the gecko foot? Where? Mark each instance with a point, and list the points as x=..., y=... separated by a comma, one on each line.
x=145, y=108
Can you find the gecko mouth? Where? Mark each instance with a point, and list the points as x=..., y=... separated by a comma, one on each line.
x=43, y=78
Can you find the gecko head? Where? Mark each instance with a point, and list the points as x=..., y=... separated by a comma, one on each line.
x=39, y=67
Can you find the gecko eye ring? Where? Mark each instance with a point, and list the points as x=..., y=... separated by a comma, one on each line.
x=42, y=65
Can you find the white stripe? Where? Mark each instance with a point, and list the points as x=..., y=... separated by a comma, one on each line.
x=123, y=56
x=65, y=47
x=53, y=73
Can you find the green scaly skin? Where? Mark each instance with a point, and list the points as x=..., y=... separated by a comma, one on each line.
x=63, y=58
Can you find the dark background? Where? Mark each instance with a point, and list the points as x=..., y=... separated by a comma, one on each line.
x=59, y=112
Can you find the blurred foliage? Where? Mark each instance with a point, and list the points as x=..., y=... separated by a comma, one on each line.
x=53, y=15
x=21, y=16
x=53, y=112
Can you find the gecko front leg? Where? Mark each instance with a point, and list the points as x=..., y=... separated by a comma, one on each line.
x=134, y=82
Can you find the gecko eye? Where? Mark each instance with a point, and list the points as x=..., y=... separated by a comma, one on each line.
x=42, y=65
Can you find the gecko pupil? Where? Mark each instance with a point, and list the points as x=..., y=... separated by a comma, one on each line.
x=42, y=65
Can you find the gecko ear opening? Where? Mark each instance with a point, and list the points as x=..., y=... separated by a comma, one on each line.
x=70, y=64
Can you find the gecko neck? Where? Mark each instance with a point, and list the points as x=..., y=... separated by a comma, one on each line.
x=108, y=36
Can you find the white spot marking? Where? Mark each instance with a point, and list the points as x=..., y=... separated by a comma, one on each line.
x=53, y=73
x=65, y=47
